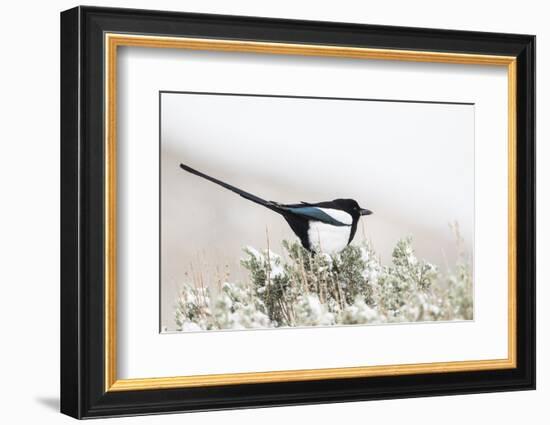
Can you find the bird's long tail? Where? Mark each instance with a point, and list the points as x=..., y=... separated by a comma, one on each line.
x=268, y=204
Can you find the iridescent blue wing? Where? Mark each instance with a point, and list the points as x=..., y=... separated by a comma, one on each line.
x=313, y=213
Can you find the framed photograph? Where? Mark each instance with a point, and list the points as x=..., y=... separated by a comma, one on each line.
x=261, y=212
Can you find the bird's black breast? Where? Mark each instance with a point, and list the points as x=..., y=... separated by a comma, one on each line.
x=352, y=231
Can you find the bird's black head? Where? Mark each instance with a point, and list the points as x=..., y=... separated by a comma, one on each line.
x=352, y=207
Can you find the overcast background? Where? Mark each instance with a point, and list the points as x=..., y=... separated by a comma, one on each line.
x=410, y=163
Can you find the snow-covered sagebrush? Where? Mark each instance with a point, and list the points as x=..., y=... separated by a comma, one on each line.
x=350, y=288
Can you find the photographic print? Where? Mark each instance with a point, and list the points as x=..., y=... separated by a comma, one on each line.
x=285, y=211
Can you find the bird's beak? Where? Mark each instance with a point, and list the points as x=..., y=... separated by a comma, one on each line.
x=364, y=211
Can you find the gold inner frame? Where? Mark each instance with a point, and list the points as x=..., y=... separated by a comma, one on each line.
x=113, y=41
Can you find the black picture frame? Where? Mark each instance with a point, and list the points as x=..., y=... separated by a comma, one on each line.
x=83, y=392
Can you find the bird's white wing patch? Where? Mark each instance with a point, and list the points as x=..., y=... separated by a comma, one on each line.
x=339, y=215
x=327, y=238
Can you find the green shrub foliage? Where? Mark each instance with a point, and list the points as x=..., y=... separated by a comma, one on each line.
x=351, y=288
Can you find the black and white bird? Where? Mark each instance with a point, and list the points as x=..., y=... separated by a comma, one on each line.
x=326, y=227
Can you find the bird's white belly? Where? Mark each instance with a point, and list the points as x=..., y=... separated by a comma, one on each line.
x=327, y=238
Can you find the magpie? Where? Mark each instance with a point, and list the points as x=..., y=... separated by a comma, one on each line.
x=326, y=227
